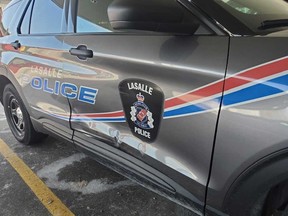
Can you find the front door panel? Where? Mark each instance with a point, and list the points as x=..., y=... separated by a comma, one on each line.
x=188, y=72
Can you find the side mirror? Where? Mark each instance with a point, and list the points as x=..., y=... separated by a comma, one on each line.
x=151, y=15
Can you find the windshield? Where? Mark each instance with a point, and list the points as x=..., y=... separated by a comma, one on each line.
x=254, y=12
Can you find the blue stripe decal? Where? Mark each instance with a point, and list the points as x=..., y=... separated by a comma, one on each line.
x=55, y=115
x=97, y=120
x=257, y=91
x=195, y=108
x=267, y=88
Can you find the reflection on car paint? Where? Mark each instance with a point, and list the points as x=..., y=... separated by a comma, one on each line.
x=151, y=151
x=69, y=90
x=270, y=82
x=264, y=81
x=14, y=61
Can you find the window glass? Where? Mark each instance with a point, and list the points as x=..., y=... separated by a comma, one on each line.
x=92, y=16
x=6, y=15
x=25, y=25
x=255, y=13
x=47, y=16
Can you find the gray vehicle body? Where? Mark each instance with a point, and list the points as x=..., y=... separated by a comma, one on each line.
x=225, y=114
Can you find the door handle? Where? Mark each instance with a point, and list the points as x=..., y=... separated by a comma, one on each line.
x=81, y=52
x=16, y=45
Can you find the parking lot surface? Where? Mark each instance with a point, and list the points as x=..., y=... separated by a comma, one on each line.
x=83, y=185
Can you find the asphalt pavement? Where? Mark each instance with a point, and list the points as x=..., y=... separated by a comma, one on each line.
x=83, y=185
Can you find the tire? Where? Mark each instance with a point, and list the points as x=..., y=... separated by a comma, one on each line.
x=261, y=191
x=276, y=202
x=18, y=118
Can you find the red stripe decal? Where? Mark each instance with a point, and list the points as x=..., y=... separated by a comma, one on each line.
x=237, y=80
x=101, y=115
x=240, y=79
x=206, y=91
x=256, y=73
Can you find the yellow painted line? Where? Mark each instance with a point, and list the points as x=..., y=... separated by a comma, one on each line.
x=52, y=203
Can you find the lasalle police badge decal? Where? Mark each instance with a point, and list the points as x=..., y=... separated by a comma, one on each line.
x=143, y=103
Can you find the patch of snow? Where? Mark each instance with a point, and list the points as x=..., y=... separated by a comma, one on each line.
x=6, y=186
x=51, y=171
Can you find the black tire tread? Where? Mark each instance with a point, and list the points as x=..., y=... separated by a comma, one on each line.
x=31, y=135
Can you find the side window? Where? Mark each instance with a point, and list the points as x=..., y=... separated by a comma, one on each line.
x=6, y=16
x=47, y=16
x=25, y=25
x=92, y=16
x=147, y=16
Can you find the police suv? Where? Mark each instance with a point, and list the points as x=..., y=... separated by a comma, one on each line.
x=188, y=97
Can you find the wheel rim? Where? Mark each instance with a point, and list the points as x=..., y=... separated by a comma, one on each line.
x=16, y=116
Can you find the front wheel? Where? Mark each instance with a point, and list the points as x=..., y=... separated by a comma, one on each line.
x=18, y=117
x=276, y=202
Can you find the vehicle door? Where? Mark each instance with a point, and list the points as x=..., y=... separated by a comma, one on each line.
x=33, y=56
x=154, y=96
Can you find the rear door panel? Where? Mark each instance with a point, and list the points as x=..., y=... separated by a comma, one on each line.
x=37, y=64
x=40, y=75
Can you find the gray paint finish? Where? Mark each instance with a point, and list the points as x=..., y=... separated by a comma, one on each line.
x=177, y=65
x=248, y=132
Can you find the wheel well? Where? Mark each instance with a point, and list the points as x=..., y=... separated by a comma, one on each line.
x=276, y=199
x=3, y=82
x=257, y=183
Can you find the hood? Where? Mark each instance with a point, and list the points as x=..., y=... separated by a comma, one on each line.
x=283, y=33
